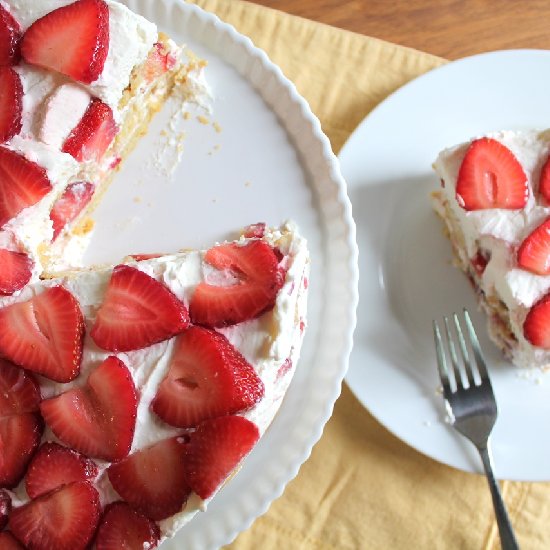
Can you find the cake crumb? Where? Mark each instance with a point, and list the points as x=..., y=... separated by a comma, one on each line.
x=203, y=120
x=247, y=183
x=217, y=127
x=137, y=199
x=186, y=115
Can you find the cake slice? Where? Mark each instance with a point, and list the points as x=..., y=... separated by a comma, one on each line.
x=130, y=394
x=81, y=82
x=495, y=202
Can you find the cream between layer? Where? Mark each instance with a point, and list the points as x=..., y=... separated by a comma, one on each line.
x=499, y=232
x=266, y=342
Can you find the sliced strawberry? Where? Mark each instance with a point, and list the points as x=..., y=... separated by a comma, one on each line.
x=11, y=103
x=10, y=35
x=142, y=257
x=215, y=449
x=98, y=419
x=255, y=230
x=15, y=271
x=5, y=509
x=67, y=207
x=44, y=334
x=137, y=311
x=207, y=377
x=536, y=327
x=72, y=40
x=54, y=466
x=490, y=176
x=544, y=182
x=93, y=134
x=255, y=265
x=20, y=425
x=65, y=519
x=24, y=183
x=122, y=528
x=9, y=542
x=152, y=480
x=158, y=62
x=534, y=251
x=19, y=437
x=19, y=391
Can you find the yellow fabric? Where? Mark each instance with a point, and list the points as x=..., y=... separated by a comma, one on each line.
x=362, y=487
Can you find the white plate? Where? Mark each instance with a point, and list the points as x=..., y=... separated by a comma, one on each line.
x=404, y=259
x=270, y=162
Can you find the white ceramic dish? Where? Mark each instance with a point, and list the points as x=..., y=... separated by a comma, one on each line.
x=406, y=275
x=269, y=162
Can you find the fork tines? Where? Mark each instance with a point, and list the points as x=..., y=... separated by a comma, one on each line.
x=463, y=373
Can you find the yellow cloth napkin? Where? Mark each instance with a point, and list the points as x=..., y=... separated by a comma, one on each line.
x=362, y=487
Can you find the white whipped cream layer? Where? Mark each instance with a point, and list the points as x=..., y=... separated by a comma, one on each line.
x=266, y=342
x=499, y=233
x=131, y=37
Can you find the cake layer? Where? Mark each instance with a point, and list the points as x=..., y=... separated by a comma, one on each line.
x=486, y=239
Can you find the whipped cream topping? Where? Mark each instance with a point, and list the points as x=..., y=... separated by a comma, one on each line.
x=499, y=232
x=266, y=342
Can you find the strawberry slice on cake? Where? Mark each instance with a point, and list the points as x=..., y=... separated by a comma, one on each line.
x=73, y=40
x=99, y=418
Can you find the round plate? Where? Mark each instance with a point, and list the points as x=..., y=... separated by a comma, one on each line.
x=405, y=261
x=261, y=156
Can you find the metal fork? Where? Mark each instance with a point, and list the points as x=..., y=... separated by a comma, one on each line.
x=472, y=407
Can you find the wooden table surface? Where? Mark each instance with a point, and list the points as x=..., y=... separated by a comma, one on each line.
x=448, y=28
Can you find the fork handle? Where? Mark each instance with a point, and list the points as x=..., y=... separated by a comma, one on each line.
x=507, y=537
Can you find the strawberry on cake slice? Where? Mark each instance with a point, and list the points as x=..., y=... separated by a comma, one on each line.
x=131, y=394
x=80, y=81
x=495, y=201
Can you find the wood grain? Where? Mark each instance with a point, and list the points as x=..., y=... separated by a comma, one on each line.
x=448, y=28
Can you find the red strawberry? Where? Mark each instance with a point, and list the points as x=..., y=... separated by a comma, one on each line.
x=93, y=134
x=73, y=40
x=137, y=311
x=19, y=437
x=65, y=519
x=67, y=207
x=157, y=63
x=207, y=377
x=20, y=425
x=536, y=327
x=9, y=542
x=255, y=230
x=255, y=264
x=11, y=103
x=24, y=183
x=19, y=391
x=544, y=183
x=490, y=176
x=5, y=509
x=15, y=271
x=98, y=419
x=44, y=334
x=54, y=466
x=534, y=251
x=215, y=449
x=142, y=257
x=122, y=528
x=152, y=480
x=10, y=35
